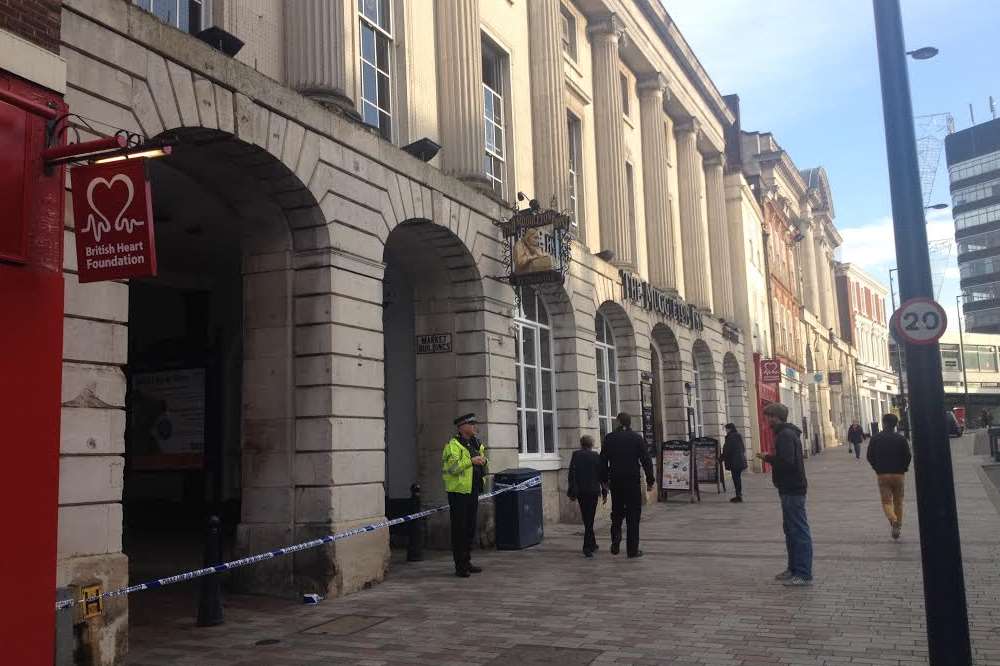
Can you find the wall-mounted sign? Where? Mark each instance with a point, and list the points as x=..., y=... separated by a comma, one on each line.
x=537, y=248
x=770, y=371
x=817, y=378
x=113, y=216
x=434, y=343
x=167, y=419
x=650, y=298
x=836, y=378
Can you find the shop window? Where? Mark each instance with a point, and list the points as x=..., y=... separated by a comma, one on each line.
x=495, y=113
x=375, y=18
x=536, y=417
x=575, y=168
x=607, y=375
x=187, y=15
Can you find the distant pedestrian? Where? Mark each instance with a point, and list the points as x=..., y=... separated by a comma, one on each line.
x=463, y=466
x=987, y=418
x=584, y=487
x=788, y=474
x=734, y=458
x=856, y=435
x=889, y=455
x=622, y=454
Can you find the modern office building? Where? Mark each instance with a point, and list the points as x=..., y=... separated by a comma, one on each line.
x=973, y=157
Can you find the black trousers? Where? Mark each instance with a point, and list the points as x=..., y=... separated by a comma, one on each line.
x=737, y=481
x=588, y=508
x=464, y=510
x=626, y=504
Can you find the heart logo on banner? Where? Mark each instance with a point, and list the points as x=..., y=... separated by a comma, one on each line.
x=111, y=198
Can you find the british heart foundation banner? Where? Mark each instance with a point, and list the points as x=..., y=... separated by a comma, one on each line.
x=113, y=216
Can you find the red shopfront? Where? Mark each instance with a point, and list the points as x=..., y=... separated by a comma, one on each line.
x=767, y=392
x=31, y=337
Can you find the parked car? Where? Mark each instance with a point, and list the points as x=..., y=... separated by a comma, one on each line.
x=955, y=428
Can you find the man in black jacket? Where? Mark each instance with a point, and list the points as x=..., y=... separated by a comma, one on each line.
x=584, y=486
x=789, y=476
x=889, y=455
x=622, y=453
x=734, y=457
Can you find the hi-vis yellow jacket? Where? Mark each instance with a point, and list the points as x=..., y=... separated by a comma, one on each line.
x=456, y=466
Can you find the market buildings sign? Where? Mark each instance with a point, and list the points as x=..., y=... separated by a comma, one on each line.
x=650, y=298
x=113, y=220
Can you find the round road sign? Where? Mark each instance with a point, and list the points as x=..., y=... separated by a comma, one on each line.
x=920, y=321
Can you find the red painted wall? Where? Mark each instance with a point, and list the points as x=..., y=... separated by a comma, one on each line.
x=31, y=312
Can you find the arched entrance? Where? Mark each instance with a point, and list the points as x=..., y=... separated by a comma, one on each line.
x=705, y=398
x=667, y=371
x=617, y=368
x=735, y=393
x=210, y=375
x=437, y=363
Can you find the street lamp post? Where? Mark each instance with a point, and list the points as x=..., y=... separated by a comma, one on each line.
x=903, y=406
x=940, y=546
x=961, y=354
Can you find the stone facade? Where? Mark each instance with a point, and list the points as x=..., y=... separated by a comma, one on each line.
x=344, y=248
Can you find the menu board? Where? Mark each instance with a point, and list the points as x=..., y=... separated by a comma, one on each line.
x=675, y=470
x=706, y=456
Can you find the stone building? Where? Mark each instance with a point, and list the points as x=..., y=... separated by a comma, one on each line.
x=309, y=244
x=864, y=324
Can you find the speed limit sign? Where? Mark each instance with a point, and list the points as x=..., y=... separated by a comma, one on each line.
x=920, y=321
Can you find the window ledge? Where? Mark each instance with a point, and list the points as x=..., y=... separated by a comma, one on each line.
x=541, y=464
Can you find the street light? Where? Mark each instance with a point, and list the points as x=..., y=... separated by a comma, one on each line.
x=903, y=406
x=940, y=547
x=961, y=353
x=923, y=53
x=937, y=206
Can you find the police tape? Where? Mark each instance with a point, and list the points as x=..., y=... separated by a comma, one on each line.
x=499, y=488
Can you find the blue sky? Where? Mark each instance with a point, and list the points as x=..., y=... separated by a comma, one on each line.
x=807, y=71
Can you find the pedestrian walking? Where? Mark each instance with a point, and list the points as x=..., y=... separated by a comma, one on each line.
x=788, y=474
x=889, y=455
x=734, y=458
x=856, y=435
x=584, y=487
x=987, y=418
x=622, y=454
x=463, y=466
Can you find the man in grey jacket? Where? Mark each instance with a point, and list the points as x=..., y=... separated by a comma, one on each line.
x=789, y=476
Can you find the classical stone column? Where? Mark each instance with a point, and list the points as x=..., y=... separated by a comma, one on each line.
x=320, y=38
x=460, y=89
x=549, y=131
x=616, y=232
x=810, y=268
x=829, y=292
x=718, y=229
x=660, y=238
x=825, y=284
x=694, y=226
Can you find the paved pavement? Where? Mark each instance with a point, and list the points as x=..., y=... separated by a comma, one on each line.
x=703, y=594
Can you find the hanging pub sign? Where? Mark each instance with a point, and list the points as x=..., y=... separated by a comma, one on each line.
x=537, y=245
x=650, y=298
x=113, y=217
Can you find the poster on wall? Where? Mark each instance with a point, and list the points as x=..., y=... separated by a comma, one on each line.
x=167, y=419
x=648, y=424
x=676, y=472
x=706, y=461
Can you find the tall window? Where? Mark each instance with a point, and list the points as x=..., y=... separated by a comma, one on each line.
x=536, y=418
x=699, y=418
x=623, y=80
x=188, y=15
x=575, y=167
x=630, y=193
x=493, y=111
x=607, y=375
x=376, y=65
x=568, y=22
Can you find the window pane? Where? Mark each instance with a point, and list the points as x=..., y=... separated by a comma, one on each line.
x=517, y=345
x=382, y=47
x=599, y=328
x=543, y=315
x=369, y=8
x=367, y=43
x=369, y=84
x=612, y=370
x=529, y=304
x=384, y=15
x=531, y=431
x=546, y=352
x=166, y=10
x=385, y=126
x=602, y=399
x=383, y=92
x=520, y=431
x=530, y=388
x=604, y=428
x=550, y=433
x=529, y=346
x=601, y=373
x=547, y=389
x=369, y=114
x=612, y=399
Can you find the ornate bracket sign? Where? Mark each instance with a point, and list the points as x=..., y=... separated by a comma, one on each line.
x=113, y=216
x=650, y=298
x=537, y=248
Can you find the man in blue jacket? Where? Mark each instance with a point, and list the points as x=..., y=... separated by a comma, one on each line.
x=789, y=476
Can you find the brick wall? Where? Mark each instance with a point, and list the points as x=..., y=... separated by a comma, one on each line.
x=35, y=20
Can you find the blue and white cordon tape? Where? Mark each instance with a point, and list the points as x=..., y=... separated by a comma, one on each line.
x=306, y=545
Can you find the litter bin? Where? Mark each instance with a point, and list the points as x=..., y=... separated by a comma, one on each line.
x=518, y=512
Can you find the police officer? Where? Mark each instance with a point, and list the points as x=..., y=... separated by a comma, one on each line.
x=463, y=466
x=622, y=454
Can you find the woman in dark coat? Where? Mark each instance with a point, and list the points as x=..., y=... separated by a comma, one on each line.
x=734, y=457
x=855, y=435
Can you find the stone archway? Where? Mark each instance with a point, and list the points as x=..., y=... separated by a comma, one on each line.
x=674, y=407
x=735, y=393
x=625, y=373
x=707, y=396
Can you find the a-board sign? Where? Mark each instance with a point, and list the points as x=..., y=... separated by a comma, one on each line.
x=706, y=457
x=675, y=470
x=434, y=343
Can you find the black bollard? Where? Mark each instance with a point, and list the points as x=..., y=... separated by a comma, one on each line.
x=415, y=543
x=210, y=598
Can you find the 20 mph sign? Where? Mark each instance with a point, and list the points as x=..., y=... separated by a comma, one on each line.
x=920, y=321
